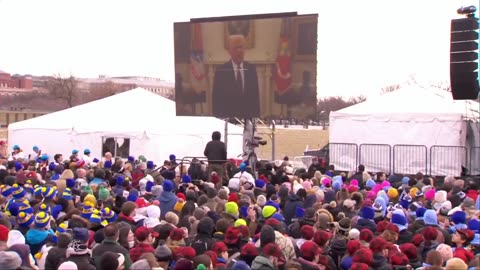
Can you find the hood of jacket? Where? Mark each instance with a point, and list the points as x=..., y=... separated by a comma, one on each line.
x=261, y=262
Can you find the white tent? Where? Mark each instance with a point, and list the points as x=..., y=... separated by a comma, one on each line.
x=143, y=122
x=398, y=129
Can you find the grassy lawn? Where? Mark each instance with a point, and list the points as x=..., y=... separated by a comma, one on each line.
x=3, y=133
x=292, y=142
x=289, y=142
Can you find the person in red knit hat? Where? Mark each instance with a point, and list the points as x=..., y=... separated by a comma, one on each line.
x=145, y=240
x=462, y=239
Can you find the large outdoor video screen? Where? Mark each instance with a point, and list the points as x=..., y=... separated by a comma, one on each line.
x=247, y=67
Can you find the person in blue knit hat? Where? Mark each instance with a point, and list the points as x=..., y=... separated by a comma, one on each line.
x=58, y=211
x=366, y=221
x=49, y=193
x=58, y=170
x=87, y=211
x=273, y=203
x=6, y=192
x=244, y=173
x=78, y=250
x=44, y=208
x=186, y=182
x=41, y=233
x=18, y=166
x=43, y=162
x=86, y=156
x=173, y=159
x=14, y=208
x=259, y=183
x=67, y=194
x=109, y=215
x=74, y=156
x=299, y=212
x=17, y=153
x=186, y=179
x=36, y=153
x=399, y=220
x=132, y=195
x=337, y=185
x=62, y=228
x=405, y=200
x=167, y=198
x=51, y=166
x=24, y=222
x=459, y=220
x=18, y=196
x=95, y=218
x=37, y=191
x=148, y=191
x=94, y=162
x=18, y=193
x=418, y=222
x=107, y=165
x=70, y=183
x=151, y=165
x=118, y=188
x=474, y=225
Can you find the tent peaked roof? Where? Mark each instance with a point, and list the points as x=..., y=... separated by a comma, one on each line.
x=124, y=106
x=413, y=100
x=134, y=113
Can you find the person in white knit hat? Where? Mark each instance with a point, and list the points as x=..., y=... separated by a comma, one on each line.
x=153, y=216
x=68, y=266
x=354, y=234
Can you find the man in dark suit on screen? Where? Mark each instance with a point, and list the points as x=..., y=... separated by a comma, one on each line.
x=235, y=86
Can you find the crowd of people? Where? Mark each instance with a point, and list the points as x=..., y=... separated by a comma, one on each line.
x=85, y=212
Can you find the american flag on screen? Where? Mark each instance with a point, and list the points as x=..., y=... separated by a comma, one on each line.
x=282, y=75
x=197, y=68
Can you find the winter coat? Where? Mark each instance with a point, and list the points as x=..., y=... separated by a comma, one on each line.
x=291, y=205
x=167, y=203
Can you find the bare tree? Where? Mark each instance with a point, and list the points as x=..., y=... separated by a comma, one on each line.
x=412, y=80
x=63, y=88
x=103, y=90
x=390, y=88
x=442, y=85
x=330, y=104
x=355, y=100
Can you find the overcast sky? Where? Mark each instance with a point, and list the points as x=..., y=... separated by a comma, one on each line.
x=362, y=45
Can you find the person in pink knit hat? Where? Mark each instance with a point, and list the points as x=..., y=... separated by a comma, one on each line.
x=307, y=185
x=430, y=195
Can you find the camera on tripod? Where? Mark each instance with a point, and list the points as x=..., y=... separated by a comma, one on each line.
x=256, y=142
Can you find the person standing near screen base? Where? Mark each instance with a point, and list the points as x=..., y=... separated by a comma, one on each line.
x=235, y=86
x=216, y=153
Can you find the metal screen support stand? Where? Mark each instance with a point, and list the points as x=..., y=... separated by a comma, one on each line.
x=225, y=136
x=273, y=140
x=248, y=135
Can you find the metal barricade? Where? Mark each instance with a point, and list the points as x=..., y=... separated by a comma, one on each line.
x=447, y=160
x=302, y=162
x=344, y=156
x=474, y=161
x=376, y=157
x=410, y=159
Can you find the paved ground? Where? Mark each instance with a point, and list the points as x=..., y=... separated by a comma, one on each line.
x=292, y=142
